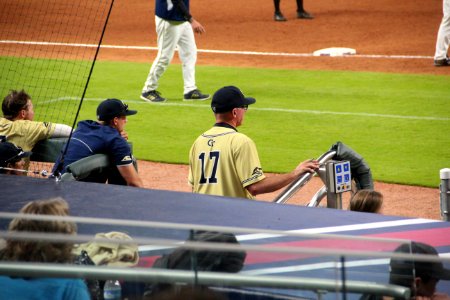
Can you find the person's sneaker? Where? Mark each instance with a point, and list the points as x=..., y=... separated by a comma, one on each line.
x=442, y=62
x=304, y=15
x=278, y=16
x=195, y=95
x=153, y=97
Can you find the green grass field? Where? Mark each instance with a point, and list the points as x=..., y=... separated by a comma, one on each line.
x=400, y=124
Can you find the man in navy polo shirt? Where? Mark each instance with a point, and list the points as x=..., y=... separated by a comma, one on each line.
x=106, y=136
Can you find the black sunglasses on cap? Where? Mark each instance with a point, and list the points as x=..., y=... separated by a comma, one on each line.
x=16, y=157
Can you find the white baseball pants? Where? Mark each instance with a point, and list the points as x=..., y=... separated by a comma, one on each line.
x=171, y=35
x=443, y=37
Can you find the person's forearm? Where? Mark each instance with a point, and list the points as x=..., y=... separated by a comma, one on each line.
x=137, y=182
x=130, y=175
x=276, y=182
x=271, y=184
x=61, y=130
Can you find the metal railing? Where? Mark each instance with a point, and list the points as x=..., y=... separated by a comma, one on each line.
x=203, y=278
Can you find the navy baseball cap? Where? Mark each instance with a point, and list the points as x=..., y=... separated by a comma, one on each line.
x=229, y=97
x=111, y=108
x=403, y=271
x=10, y=153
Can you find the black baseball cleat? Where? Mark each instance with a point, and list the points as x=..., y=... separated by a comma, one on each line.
x=445, y=62
x=278, y=16
x=195, y=95
x=152, y=97
x=304, y=15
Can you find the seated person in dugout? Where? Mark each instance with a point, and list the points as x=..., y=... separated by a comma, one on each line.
x=18, y=126
x=11, y=159
x=420, y=276
x=366, y=201
x=31, y=251
x=106, y=136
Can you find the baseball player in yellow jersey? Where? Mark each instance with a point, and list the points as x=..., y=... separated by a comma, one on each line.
x=18, y=126
x=224, y=162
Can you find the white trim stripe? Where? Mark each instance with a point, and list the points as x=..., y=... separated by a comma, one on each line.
x=342, y=228
x=322, y=230
x=75, y=139
x=318, y=266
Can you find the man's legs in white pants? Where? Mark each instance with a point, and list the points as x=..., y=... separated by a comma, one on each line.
x=168, y=36
x=187, y=50
x=188, y=55
x=443, y=37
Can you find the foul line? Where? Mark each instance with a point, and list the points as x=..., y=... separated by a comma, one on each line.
x=296, y=111
x=256, y=53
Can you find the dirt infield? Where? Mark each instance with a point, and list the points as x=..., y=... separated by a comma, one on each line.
x=399, y=200
x=387, y=30
x=400, y=35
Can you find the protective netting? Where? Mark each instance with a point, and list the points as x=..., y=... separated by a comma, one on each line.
x=48, y=48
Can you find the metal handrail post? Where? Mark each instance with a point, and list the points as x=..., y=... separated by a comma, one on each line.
x=444, y=188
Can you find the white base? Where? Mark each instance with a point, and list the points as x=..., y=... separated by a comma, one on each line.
x=334, y=51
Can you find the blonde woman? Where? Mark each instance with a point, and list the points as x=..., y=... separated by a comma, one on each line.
x=41, y=252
